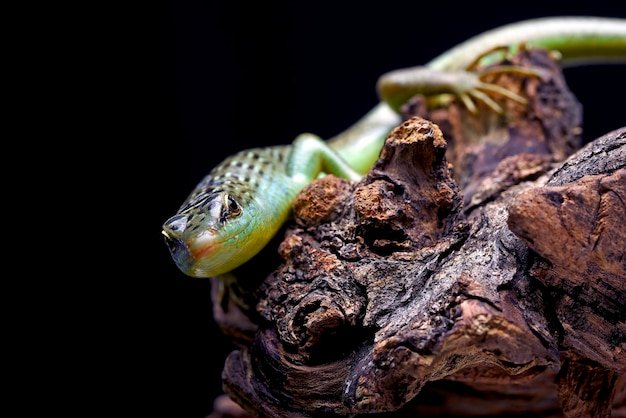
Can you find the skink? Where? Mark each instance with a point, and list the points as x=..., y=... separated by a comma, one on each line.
x=241, y=204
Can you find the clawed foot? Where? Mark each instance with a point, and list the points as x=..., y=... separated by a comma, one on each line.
x=476, y=89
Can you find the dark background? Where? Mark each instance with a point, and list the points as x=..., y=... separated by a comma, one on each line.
x=204, y=79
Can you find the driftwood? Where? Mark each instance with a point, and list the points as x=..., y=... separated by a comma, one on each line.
x=477, y=270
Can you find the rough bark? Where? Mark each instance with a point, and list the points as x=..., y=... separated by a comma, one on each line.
x=477, y=270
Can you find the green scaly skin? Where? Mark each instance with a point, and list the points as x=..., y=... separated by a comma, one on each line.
x=241, y=204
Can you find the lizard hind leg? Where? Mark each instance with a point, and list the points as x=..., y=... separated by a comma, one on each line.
x=497, y=54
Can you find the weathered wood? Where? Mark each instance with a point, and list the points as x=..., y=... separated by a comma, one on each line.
x=472, y=272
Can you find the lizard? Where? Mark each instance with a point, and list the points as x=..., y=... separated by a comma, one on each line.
x=243, y=202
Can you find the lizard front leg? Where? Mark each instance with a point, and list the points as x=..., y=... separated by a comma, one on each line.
x=311, y=157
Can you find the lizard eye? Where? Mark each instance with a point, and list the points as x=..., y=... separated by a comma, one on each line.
x=230, y=208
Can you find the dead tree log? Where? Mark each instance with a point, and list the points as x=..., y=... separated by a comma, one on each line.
x=478, y=269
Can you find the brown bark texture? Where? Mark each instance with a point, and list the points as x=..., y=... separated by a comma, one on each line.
x=477, y=270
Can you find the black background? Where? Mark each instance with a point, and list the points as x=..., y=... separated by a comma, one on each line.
x=203, y=79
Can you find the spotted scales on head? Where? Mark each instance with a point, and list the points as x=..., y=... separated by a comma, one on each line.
x=238, y=175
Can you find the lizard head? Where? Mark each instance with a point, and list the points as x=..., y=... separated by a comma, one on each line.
x=211, y=234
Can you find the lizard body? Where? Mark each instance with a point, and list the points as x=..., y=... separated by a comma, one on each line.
x=241, y=204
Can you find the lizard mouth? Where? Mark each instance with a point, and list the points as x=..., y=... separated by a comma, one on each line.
x=207, y=255
x=179, y=251
x=203, y=254
x=189, y=255
x=202, y=250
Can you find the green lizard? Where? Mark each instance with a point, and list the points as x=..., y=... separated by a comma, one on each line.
x=241, y=204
